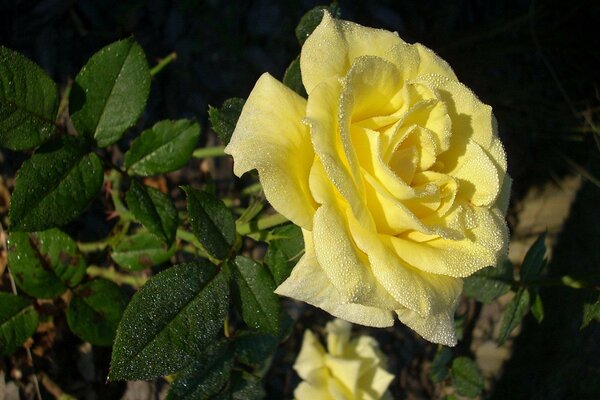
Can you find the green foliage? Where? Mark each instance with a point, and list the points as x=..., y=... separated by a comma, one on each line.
x=253, y=349
x=110, y=92
x=28, y=102
x=211, y=221
x=45, y=263
x=534, y=260
x=253, y=292
x=95, y=310
x=206, y=376
x=55, y=185
x=165, y=147
x=140, y=251
x=591, y=311
x=284, y=251
x=489, y=283
x=312, y=19
x=224, y=119
x=154, y=210
x=244, y=386
x=293, y=78
x=439, y=365
x=513, y=314
x=169, y=321
x=537, y=308
x=466, y=377
x=18, y=321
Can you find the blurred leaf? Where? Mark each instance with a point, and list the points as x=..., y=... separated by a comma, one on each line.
x=293, y=78
x=312, y=19
x=466, y=377
x=253, y=290
x=489, y=283
x=166, y=147
x=18, y=321
x=46, y=263
x=154, y=210
x=513, y=314
x=224, y=119
x=140, y=251
x=54, y=186
x=211, y=221
x=284, y=252
x=95, y=310
x=534, y=260
x=439, y=365
x=110, y=92
x=255, y=350
x=537, y=308
x=246, y=387
x=591, y=311
x=206, y=376
x=176, y=315
x=28, y=102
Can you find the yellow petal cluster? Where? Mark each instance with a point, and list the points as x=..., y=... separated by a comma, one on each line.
x=347, y=370
x=393, y=169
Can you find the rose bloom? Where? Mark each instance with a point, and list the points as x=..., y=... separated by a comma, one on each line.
x=349, y=369
x=392, y=168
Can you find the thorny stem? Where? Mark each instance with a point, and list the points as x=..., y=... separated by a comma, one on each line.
x=207, y=152
x=260, y=224
x=117, y=277
x=163, y=63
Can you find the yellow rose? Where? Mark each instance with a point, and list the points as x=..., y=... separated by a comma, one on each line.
x=392, y=168
x=349, y=369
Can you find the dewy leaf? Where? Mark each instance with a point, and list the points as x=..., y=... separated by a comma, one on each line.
x=166, y=147
x=534, y=260
x=224, y=119
x=206, y=376
x=284, y=252
x=591, y=311
x=154, y=210
x=312, y=19
x=169, y=321
x=439, y=365
x=28, y=102
x=255, y=349
x=110, y=92
x=466, y=377
x=253, y=289
x=244, y=386
x=211, y=221
x=54, y=186
x=514, y=313
x=293, y=78
x=489, y=283
x=45, y=263
x=95, y=310
x=18, y=321
x=140, y=251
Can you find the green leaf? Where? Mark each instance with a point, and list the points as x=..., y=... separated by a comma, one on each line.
x=537, y=308
x=223, y=120
x=534, y=260
x=293, y=78
x=284, y=252
x=170, y=320
x=28, y=102
x=206, y=376
x=18, y=321
x=514, y=313
x=54, y=186
x=439, y=365
x=489, y=283
x=110, y=92
x=466, y=377
x=253, y=289
x=95, y=310
x=140, y=251
x=46, y=263
x=244, y=386
x=591, y=311
x=255, y=349
x=212, y=222
x=312, y=19
x=165, y=147
x=154, y=210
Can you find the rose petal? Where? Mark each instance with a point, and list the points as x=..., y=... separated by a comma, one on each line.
x=338, y=336
x=310, y=357
x=431, y=63
x=437, y=327
x=305, y=391
x=270, y=137
x=346, y=371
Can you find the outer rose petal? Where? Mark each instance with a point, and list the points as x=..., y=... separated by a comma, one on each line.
x=270, y=137
x=437, y=327
x=310, y=356
x=305, y=391
x=334, y=44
